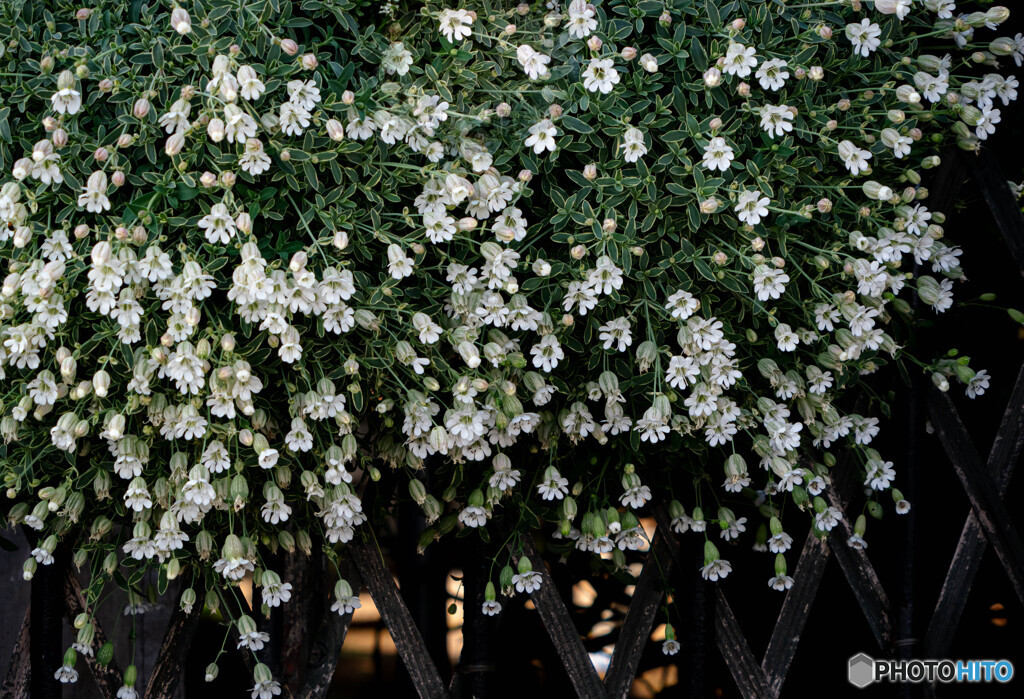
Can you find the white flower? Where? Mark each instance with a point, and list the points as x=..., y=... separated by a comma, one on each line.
x=527, y=582
x=555, y=487
x=249, y=85
x=900, y=8
x=293, y=119
x=397, y=59
x=399, y=266
x=238, y=126
x=772, y=74
x=94, y=196
x=581, y=20
x=670, y=646
x=681, y=305
x=943, y=8
x=600, y=75
x=978, y=384
x=255, y=161
x=769, y=283
x=267, y=689
x=616, y=332
x=855, y=159
x=864, y=36
x=253, y=640
x=455, y=24
x=880, y=474
x=542, y=136
x=534, y=64
x=780, y=583
x=776, y=120
x=986, y=125
x=66, y=101
x=490, y=608
x=66, y=674
x=739, y=60
x=785, y=337
x=218, y=224
x=176, y=119
x=751, y=207
x=718, y=155
x=682, y=371
x=303, y=93
x=276, y=592
x=633, y=145
x=473, y=516
x=716, y=569
x=828, y=519
x=547, y=353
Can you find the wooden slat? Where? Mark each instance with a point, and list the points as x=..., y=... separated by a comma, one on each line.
x=17, y=681
x=643, y=608
x=325, y=650
x=562, y=631
x=861, y=575
x=407, y=638
x=1001, y=203
x=1003, y=457
x=109, y=677
x=796, y=609
x=170, y=661
x=981, y=490
x=296, y=622
x=734, y=648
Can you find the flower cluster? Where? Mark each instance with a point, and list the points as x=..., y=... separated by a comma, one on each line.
x=537, y=253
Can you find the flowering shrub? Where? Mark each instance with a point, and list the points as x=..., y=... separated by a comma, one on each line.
x=548, y=262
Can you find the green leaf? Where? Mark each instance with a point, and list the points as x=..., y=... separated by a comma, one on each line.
x=1017, y=316
x=574, y=124
x=699, y=56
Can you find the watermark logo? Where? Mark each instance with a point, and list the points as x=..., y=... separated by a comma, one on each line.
x=863, y=670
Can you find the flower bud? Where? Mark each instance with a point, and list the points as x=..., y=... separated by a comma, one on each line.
x=335, y=130
x=215, y=130
x=712, y=77
x=141, y=108
x=289, y=47
x=649, y=63
x=309, y=61
x=180, y=21
x=175, y=142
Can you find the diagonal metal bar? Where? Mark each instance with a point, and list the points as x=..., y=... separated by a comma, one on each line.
x=981, y=490
x=860, y=574
x=734, y=648
x=1006, y=451
x=643, y=608
x=1001, y=203
x=796, y=609
x=170, y=661
x=325, y=650
x=562, y=631
x=748, y=675
x=407, y=637
x=108, y=677
x=17, y=681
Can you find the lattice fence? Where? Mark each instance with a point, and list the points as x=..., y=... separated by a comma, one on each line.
x=666, y=567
